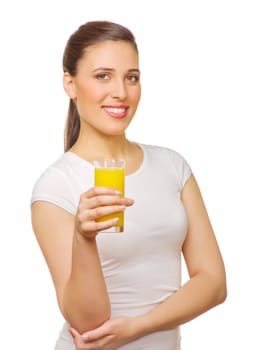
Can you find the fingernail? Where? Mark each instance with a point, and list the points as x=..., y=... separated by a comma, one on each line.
x=115, y=220
x=85, y=336
x=117, y=192
x=122, y=207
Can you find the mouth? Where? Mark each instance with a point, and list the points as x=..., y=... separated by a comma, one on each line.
x=117, y=112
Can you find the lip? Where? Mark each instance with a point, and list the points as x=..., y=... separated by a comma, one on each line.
x=116, y=111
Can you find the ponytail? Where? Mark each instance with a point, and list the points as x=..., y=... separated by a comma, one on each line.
x=72, y=127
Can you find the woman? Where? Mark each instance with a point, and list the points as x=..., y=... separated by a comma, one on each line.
x=121, y=291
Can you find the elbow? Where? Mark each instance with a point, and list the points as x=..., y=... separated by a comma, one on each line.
x=86, y=323
x=220, y=294
x=84, y=320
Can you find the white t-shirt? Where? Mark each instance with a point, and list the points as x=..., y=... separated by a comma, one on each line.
x=141, y=266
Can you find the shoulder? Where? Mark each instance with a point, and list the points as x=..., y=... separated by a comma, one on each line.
x=54, y=173
x=53, y=185
x=161, y=151
x=170, y=159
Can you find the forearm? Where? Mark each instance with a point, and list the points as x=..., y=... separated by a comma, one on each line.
x=199, y=294
x=85, y=301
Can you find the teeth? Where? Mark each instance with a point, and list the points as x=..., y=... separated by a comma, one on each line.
x=115, y=110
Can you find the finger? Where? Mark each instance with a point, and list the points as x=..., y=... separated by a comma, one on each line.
x=81, y=343
x=77, y=338
x=87, y=217
x=101, y=212
x=127, y=201
x=103, y=207
x=104, y=200
x=96, y=226
x=96, y=334
x=74, y=333
x=100, y=190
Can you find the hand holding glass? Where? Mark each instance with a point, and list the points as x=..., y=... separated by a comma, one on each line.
x=111, y=173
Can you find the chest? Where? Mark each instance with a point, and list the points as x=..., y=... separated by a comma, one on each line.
x=155, y=224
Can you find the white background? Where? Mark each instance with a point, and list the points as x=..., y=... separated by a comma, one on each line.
x=202, y=80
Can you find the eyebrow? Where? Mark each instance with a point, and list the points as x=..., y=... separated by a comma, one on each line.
x=112, y=69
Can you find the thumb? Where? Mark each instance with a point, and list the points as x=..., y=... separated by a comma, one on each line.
x=73, y=332
x=77, y=336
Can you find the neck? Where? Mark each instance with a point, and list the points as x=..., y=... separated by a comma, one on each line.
x=92, y=145
x=101, y=147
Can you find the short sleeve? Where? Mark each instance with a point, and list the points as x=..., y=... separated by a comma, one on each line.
x=185, y=172
x=182, y=168
x=54, y=187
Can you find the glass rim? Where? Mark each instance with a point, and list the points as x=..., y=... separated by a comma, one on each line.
x=109, y=163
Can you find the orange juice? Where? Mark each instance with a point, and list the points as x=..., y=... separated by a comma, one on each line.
x=111, y=176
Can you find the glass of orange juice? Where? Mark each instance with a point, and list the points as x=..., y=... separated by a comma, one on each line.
x=111, y=173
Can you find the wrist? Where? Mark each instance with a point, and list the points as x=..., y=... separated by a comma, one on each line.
x=80, y=238
x=141, y=326
x=84, y=251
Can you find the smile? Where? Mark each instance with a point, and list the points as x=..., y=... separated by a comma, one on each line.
x=116, y=112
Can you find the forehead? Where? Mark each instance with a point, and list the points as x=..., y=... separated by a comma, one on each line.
x=112, y=54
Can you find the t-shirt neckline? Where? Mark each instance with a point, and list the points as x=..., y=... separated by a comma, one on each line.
x=91, y=166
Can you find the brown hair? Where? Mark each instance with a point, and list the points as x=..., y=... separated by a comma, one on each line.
x=87, y=34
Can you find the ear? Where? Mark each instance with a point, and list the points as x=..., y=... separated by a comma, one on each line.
x=68, y=83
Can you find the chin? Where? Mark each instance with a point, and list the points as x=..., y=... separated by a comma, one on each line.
x=116, y=131
x=112, y=133
x=122, y=133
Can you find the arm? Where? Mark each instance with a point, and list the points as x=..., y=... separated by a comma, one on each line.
x=69, y=246
x=205, y=289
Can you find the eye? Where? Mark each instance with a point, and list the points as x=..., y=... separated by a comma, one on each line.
x=133, y=78
x=103, y=76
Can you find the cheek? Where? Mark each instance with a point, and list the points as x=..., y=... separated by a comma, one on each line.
x=136, y=96
x=92, y=93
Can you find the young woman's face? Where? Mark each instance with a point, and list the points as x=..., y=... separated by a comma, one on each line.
x=107, y=87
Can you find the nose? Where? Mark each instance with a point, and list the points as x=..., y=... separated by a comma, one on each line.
x=118, y=89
